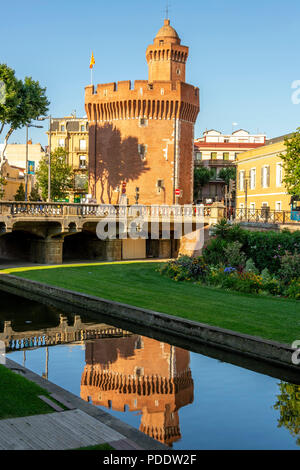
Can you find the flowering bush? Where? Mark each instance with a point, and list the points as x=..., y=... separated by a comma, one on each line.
x=234, y=256
x=293, y=289
x=185, y=268
x=289, y=267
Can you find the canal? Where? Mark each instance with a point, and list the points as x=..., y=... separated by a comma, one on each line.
x=182, y=397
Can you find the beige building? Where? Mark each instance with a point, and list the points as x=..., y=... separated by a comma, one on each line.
x=15, y=154
x=13, y=176
x=71, y=134
x=260, y=178
x=217, y=151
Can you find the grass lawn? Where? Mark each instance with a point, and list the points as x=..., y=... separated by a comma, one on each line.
x=19, y=396
x=139, y=284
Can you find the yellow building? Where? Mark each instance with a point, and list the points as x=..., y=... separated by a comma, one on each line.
x=13, y=176
x=71, y=134
x=260, y=178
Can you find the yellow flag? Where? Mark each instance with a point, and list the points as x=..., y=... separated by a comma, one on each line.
x=92, y=61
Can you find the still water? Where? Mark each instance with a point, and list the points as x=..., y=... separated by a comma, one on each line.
x=184, y=399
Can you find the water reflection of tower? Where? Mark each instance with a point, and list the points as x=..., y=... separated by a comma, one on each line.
x=140, y=374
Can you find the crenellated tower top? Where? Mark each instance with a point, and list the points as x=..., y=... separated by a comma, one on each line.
x=166, y=57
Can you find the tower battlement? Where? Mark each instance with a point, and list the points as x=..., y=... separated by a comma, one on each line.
x=157, y=100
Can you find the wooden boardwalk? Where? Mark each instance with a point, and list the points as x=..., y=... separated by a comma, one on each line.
x=58, y=431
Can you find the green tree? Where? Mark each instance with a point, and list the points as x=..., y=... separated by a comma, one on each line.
x=291, y=163
x=20, y=194
x=2, y=184
x=21, y=101
x=34, y=193
x=62, y=175
x=227, y=174
x=202, y=176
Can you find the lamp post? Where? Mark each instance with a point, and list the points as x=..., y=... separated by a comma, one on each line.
x=49, y=159
x=26, y=164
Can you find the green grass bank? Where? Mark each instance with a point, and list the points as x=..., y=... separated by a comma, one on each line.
x=139, y=284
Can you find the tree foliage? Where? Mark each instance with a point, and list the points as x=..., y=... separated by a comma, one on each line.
x=20, y=194
x=23, y=101
x=62, y=175
x=202, y=175
x=291, y=164
x=2, y=184
x=227, y=174
x=34, y=193
x=288, y=404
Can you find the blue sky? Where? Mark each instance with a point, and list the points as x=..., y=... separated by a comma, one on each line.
x=244, y=56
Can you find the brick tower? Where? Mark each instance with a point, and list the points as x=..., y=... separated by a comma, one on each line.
x=141, y=139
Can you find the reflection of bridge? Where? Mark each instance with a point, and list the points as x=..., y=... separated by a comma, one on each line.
x=61, y=334
x=47, y=233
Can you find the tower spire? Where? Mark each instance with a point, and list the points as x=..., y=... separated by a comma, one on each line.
x=167, y=10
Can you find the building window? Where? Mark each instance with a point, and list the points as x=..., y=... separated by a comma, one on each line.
x=252, y=178
x=62, y=128
x=278, y=174
x=226, y=156
x=160, y=185
x=61, y=142
x=213, y=155
x=278, y=206
x=242, y=180
x=161, y=42
x=265, y=176
x=82, y=161
x=142, y=150
x=178, y=71
x=198, y=156
x=82, y=144
x=236, y=155
x=82, y=128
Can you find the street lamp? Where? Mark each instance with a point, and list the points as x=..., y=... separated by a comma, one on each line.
x=26, y=170
x=49, y=160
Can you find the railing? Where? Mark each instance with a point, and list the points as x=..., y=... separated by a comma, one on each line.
x=266, y=216
x=56, y=209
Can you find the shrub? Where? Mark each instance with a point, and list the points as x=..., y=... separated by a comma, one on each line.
x=213, y=252
x=234, y=256
x=250, y=266
x=185, y=269
x=272, y=286
x=289, y=267
x=293, y=289
x=248, y=283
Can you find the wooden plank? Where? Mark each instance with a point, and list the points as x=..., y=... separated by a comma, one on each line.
x=49, y=402
x=61, y=400
x=56, y=431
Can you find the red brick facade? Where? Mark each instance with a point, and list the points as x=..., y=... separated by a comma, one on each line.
x=145, y=136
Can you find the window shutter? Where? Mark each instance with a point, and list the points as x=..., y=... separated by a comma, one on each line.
x=268, y=176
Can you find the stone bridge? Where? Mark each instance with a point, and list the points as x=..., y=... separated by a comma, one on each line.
x=49, y=233
x=62, y=334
